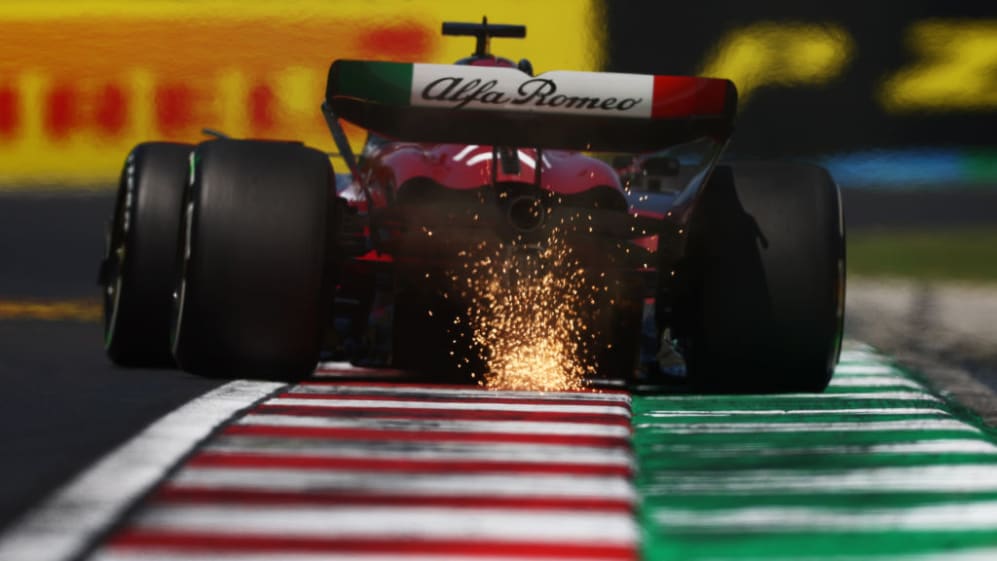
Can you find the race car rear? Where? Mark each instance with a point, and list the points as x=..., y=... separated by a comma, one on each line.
x=497, y=224
x=494, y=174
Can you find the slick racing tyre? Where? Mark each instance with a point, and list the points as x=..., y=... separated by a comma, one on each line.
x=139, y=266
x=760, y=299
x=257, y=260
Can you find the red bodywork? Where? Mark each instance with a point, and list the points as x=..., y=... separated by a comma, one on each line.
x=423, y=205
x=461, y=167
x=406, y=192
x=390, y=166
x=387, y=171
x=428, y=201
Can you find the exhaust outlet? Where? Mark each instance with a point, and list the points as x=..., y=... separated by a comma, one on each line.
x=526, y=214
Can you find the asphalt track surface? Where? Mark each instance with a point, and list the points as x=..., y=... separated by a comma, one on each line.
x=344, y=466
x=63, y=406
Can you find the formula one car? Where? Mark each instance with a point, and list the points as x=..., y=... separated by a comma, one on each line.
x=251, y=258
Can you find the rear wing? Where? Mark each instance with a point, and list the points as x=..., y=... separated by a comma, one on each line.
x=507, y=107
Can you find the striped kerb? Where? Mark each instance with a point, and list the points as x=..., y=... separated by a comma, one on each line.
x=878, y=467
x=334, y=470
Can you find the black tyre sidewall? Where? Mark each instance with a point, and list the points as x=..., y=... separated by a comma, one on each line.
x=761, y=303
x=137, y=318
x=254, y=292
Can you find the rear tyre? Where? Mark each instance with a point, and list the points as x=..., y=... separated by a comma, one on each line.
x=139, y=267
x=759, y=297
x=257, y=259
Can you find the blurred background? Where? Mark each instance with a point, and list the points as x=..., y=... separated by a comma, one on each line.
x=898, y=100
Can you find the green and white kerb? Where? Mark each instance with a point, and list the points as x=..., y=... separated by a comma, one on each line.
x=879, y=467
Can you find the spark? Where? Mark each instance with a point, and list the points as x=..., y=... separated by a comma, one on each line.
x=528, y=316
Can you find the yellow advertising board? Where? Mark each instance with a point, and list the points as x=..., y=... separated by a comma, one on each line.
x=82, y=82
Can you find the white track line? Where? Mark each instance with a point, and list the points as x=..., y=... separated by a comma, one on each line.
x=947, y=446
x=822, y=397
x=423, y=391
x=444, y=485
x=389, y=523
x=422, y=425
x=875, y=381
x=449, y=405
x=969, y=554
x=439, y=451
x=926, y=479
x=809, y=412
x=75, y=514
x=786, y=427
x=965, y=516
x=866, y=368
x=264, y=443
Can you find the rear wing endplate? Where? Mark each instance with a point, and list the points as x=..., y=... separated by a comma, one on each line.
x=506, y=107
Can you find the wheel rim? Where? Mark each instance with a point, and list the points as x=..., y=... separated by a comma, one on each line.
x=116, y=250
x=183, y=259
